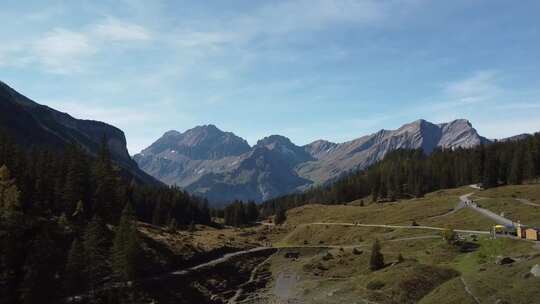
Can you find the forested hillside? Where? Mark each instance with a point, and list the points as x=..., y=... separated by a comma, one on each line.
x=411, y=173
x=68, y=222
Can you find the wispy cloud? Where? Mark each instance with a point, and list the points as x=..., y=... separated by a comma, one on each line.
x=113, y=29
x=481, y=86
x=66, y=51
x=61, y=50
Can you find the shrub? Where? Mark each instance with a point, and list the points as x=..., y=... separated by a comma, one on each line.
x=449, y=235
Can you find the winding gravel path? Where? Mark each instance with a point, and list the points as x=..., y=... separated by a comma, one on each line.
x=485, y=212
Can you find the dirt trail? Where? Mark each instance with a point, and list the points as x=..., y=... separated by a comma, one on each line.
x=527, y=202
x=403, y=227
x=468, y=290
x=219, y=260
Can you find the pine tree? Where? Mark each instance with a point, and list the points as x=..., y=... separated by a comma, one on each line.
x=156, y=214
x=75, y=277
x=39, y=280
x=96, y=247
x=106, y=186
x=491, y=171
x=376, y=261
x=10, y=205
x=528, y=165
x=516, y=168
x=252, y=212
x=281, y=216
x=126, y=248
x=173, y=225
x=76, y=184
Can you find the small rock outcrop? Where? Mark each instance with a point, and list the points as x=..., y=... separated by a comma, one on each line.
x=504, y=260
x=535, y=271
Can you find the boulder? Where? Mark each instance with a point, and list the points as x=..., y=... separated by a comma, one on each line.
x=357, y=251
x=535, y=271
x=504, y=260
x=328, y=256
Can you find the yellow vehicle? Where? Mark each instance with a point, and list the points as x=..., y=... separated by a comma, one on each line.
x=499, y=228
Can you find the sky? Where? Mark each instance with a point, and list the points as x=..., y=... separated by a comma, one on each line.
x=305, y=69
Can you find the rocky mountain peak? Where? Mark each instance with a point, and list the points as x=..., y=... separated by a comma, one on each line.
x=171, y=133
x=459, y=133
x=199, y=143
x=275, y=140
x=285, y=147
x=319, y=148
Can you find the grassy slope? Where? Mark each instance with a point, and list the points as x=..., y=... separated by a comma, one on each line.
x=398, y=213
x=345, y=277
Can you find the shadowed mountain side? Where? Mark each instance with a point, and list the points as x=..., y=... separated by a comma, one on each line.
x=32, y=124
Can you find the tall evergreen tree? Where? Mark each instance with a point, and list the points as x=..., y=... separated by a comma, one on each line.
x=516, y=168
x=96, y=247
x=39, y=281
x=126, y=248
x=281, y=216
x=491, y=170
x=252, y=212
x=10, y=205
x=75, y=276
x=106, y=186
x=376, y=261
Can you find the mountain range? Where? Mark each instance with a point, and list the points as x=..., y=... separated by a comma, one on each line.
x=31, y=124
x=222, y=166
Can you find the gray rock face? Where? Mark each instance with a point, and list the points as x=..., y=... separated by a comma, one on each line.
x=32, y=124
x=223, y=167
x=335, y=159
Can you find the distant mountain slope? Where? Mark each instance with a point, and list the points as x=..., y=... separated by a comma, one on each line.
x=364, y=151
x=223, y=167
x=32, y=124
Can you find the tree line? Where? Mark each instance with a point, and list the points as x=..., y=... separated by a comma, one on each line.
x=240, y=214
x=412, y=173
x=68, y=221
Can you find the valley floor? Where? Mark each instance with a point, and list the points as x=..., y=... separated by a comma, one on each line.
x=331, y=246
x=321, y=254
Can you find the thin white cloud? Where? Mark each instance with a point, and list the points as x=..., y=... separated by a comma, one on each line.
x=61, y=50
x=115, y=30
x=273, y=20
x=188, y=38
x=66, y=51
x=481, y=86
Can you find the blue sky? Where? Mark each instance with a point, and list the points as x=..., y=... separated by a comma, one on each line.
x=305, y=69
